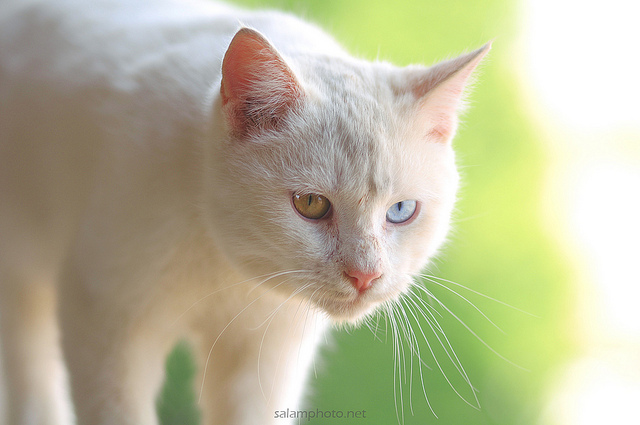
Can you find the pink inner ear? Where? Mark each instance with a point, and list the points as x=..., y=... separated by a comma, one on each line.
x=441, y=93
x=258, y=88
x=442, y=128
x=246, y=51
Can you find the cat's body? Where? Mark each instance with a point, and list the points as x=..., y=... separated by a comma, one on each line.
x=141, y=203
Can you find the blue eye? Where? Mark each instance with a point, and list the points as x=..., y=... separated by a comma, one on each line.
x=401, y=212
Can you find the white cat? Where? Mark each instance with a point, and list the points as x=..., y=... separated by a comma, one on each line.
x=182, y=169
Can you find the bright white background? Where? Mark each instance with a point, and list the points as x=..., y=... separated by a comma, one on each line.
x=580, y=62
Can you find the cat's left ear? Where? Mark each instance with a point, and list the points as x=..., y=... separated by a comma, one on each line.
x=440, y=92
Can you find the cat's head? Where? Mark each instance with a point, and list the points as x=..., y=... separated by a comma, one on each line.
x=334, y=179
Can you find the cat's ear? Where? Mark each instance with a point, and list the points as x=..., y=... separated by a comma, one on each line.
x=440, y=92
x=258, y=88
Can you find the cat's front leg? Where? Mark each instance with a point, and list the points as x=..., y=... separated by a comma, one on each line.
x=255, y=362
x=114, y=352
x=35, y=390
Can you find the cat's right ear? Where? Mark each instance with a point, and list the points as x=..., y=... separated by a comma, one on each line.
x=258, y=88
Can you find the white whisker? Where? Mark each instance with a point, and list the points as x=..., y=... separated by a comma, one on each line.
x=267, y=277
x=422, y=363
x=268, y=322
x=398, y=358
x=275, y=311
x=450, y=354
x=204, y=374
x=284, y=347
x=427, y=276
x=414, y=350
x=440, y=330
x=304, y=324
x=461, y=296
x=476, y=335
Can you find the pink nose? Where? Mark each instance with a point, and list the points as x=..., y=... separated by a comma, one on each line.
x=361, y=280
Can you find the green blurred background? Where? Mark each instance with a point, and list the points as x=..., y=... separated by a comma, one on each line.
x=500, y=247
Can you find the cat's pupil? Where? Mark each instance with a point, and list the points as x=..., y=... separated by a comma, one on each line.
x=312, y=206
x=402, y=211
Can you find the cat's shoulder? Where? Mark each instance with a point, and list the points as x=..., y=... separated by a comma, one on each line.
x=123, y=28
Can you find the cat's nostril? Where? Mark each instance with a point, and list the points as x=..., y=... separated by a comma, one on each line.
x=362, y=280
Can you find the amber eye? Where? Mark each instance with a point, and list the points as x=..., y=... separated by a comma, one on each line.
x=311, y=205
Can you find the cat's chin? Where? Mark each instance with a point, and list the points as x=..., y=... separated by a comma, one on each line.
x=350, y=311
x=351, y=307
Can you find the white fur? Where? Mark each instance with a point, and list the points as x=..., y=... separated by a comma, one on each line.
x=132, y=217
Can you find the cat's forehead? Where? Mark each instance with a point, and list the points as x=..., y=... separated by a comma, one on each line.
x=351, y=143
x=358, y=153
x=351, y=137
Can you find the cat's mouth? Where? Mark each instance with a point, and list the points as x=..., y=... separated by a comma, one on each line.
x=340, y=302
x=351, y=307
